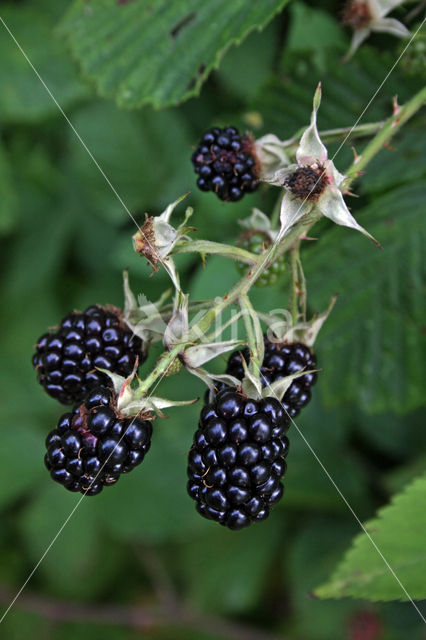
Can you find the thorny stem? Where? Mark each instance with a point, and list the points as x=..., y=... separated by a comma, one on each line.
x=163, y=364
x=294, y=285
x=391, y=126
x=336, y=135
x=302, y=287
x=301, y=228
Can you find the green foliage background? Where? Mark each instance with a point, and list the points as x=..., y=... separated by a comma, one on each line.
x=65, y=239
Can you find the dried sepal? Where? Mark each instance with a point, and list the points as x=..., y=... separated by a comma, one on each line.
x=282, y=329
x=367, y=16
x=272, y=156
x=258, y=221
x=196, y=356
x=153, y=404
x=143, y=316
x=177, y=328
x=278, y=388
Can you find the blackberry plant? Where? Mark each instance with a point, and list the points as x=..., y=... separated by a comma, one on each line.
x=237, y=460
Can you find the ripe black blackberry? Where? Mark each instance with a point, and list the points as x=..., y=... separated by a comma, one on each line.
x=280, y=360
x=66, y=360
x=226, y=163
x=237, y=459
x=92, y=445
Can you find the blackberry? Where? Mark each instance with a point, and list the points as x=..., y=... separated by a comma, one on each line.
x=237, y=460
x=92, y=445
x=66, y=360
x=226, y=164
x=258, y=242
x=280, y=360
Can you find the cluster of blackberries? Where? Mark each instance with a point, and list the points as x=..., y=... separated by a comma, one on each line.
x=237, y=459
x=258, y=242
x=92, y=445
x=226, y=163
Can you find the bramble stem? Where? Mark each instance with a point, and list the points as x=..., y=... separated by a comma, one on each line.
x=336, y=135
x=294, y=284
x=386, y=133
x=164, y=362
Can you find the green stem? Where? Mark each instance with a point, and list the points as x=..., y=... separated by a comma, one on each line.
x=386, y=133
x=302, y=287
x=224, y=250
x=163, y=364
x=336, y=135
x=294, y=287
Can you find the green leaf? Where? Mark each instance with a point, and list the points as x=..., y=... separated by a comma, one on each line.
x=23, y=97
x=316, y=545
x=8, y=209
x=372, y=345
x=312, y=29
x=161, y=53
x=285, y=102
x=241, y=572
x=398, y=532
x=245, y=67
x=306, y=484
x=79, y=562
x=141, y=153
x=25, y=447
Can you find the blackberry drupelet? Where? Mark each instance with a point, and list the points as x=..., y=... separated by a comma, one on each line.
x=92, y=445
x=66, y=360
x=226, y=164
x=280, y=360
x=258, y=242
x=237, y=459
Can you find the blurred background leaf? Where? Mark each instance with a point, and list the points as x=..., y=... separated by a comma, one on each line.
x=142, y=39
x=23, y=97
